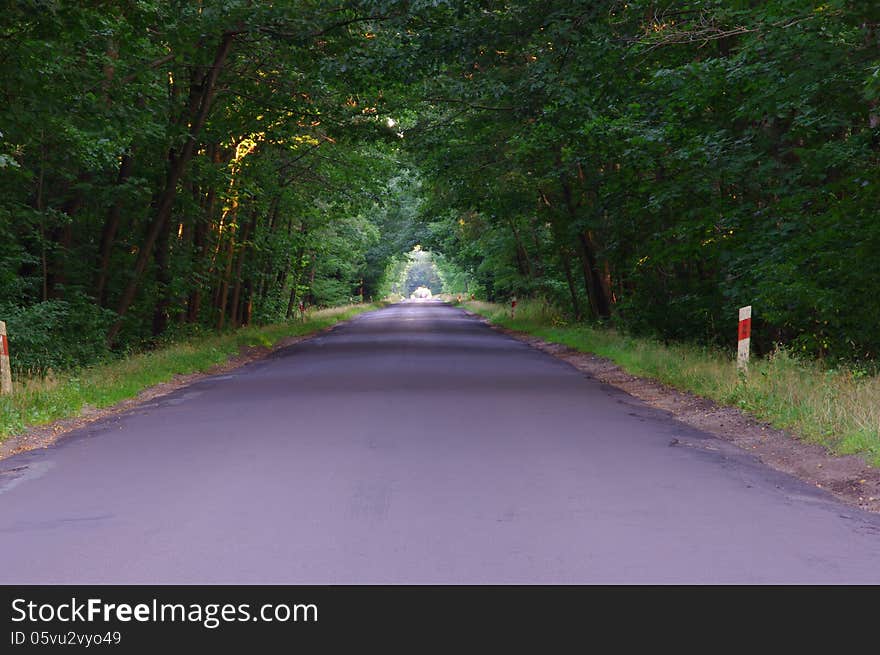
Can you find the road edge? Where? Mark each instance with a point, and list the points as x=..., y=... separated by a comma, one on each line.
x=48, y=434
x=846, y=477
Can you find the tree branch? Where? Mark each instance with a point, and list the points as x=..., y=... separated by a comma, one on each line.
x=457, y=101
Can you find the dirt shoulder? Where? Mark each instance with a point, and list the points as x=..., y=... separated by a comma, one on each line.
x=847, y=477
x=43, y=436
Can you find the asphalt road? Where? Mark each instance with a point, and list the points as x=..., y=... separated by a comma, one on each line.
x=414, y=445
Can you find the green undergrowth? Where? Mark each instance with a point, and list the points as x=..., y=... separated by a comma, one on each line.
x=40, y=400
x=838, y=408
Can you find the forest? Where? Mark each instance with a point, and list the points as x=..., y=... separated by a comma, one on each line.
x=174, y=168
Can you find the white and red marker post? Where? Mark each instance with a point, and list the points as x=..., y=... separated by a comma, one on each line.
x=513, y=309
x=5, y=370
x=744, y=339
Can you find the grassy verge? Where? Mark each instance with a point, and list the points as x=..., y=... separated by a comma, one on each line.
x=42, y=400
x=838, y=408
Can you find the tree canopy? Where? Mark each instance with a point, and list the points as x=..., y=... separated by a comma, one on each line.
x=167, y=166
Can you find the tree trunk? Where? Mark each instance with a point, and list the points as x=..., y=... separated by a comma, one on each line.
x=223, y=294
x=309, y=294
x=297, y=274
x=538, y=262
x=592, y=279
x=108, y=233
x=163, y=280
x=38, y=205
x=599, y=305
x=201, y=98
x=200, y=241
x=298, y=270
x=265, y=275
x=522, y=256
x=202, y=263
x=248, y=309
x=249, y=228
x=569, y=278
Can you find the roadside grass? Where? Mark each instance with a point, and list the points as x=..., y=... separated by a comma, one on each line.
x=838, y=408
x=37, y=401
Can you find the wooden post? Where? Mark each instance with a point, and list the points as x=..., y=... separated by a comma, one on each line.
x=5, y=370
x=744, y=338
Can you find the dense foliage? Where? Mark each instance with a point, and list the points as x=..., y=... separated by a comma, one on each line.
x=165, y=165
x=169, y=166
x=660, y=164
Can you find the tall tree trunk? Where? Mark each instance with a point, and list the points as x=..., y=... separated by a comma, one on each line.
x=200, y=241
x=599, y=304
x=248, y=309
x=108, y=233
x=38, y=205
x=309, y=293
x=607, y=286
x=281, y=276
x=297, y=275
x=522, y=255
x=538, y=261
x=202, y=263
x=265, y=275
x=223, y=292
x=163, y=280
x=298, y=270
x=592, y=279
x=201, y=98
x=564, y=257
x=249, y=228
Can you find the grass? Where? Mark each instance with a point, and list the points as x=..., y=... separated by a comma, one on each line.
x=36, y=401
x=837, y=408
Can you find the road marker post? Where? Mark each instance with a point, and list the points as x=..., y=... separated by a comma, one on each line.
x=5, y=369
x=512, y=309
x=744, y=338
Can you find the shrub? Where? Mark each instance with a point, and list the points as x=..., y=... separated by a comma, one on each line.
x=56, y=334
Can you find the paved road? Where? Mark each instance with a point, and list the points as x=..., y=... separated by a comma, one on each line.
x=414, y=445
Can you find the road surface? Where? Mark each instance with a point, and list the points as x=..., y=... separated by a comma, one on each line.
x=414, y=445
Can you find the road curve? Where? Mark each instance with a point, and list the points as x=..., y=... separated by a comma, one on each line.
x=414, y=445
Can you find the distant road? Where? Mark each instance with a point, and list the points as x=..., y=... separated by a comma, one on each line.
x=414, y=445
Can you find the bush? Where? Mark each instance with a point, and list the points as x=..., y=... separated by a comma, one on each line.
x=56, y=334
